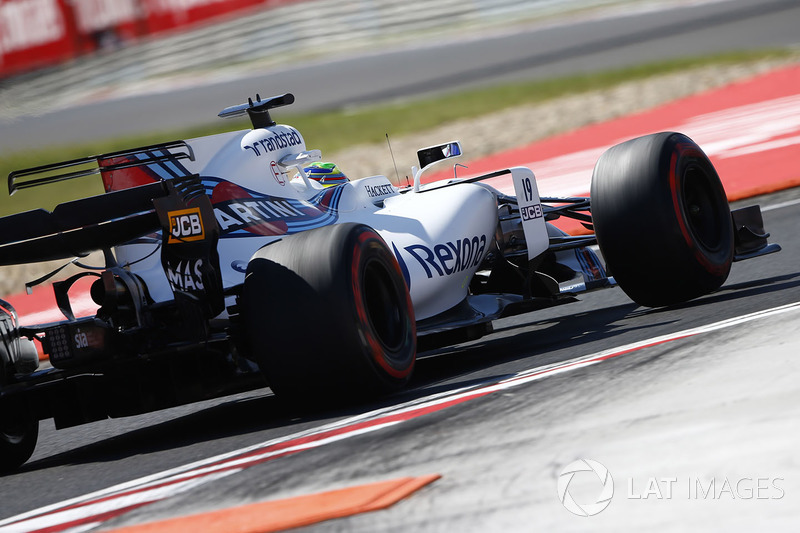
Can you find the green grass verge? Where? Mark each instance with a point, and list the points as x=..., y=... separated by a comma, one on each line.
x=334, y=130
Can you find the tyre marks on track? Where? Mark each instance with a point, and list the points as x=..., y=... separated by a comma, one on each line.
x=92, y=510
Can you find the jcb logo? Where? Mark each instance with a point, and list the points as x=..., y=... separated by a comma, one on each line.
x=530, y=212
x=185, y=226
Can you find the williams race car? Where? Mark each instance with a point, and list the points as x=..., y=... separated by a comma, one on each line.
x=240, y=260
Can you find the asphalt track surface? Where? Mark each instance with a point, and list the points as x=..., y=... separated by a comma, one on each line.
x=715, y=406
x=428, y=67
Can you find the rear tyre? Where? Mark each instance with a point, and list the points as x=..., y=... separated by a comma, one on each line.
x=662, y=219
x=327, y=313
x=19, y=431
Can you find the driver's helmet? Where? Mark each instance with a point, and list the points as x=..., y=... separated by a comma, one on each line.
x=327, y=174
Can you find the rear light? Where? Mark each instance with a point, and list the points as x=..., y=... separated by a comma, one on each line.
x=75, y=343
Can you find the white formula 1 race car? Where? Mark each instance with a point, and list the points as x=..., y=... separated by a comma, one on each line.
x=229, y=266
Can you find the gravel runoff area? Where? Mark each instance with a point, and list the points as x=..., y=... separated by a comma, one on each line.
x=519, y=126
x=486, y=135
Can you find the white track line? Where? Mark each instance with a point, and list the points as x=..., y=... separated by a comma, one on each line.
x=141, y=490
x=781, y=205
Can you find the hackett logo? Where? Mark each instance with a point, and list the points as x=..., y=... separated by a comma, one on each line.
x=185, y=225
x=378, y=190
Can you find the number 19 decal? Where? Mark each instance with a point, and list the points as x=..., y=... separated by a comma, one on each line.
x=528, y=188
x=530, y=210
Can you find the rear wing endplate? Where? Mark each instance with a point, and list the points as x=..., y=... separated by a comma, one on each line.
x=73, y=229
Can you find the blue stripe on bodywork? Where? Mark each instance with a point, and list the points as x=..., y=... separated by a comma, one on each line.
x=403, y=266
x=326, y=202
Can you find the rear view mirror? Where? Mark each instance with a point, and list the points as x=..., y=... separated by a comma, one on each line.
x=432, y=154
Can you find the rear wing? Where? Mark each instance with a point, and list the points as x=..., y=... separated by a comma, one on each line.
x=76, y=228
x=96, y=164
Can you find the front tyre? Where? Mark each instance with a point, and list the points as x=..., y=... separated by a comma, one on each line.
x=662, y=219
x=327, y=313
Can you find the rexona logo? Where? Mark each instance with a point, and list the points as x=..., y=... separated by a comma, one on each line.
x=605, y=486
x=185, y=225
x=449, y=257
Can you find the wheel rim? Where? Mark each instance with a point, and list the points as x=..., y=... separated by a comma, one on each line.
x=13, y=431
x=701, y=209
x=383, y=304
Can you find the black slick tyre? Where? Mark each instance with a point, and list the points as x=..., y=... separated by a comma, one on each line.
x=19, y=431
x=327, y=314
x=662, y=219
